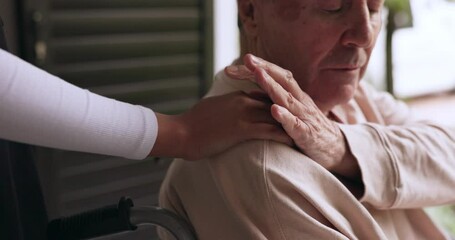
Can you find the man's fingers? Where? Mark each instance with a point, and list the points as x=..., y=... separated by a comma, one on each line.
x=277, y=93
x=293, y=125
x=281, y=76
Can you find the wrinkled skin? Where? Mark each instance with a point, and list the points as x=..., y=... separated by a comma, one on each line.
x=320, y=51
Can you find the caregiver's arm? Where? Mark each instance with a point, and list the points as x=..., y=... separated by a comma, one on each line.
x=41, y=109
x=215, y=124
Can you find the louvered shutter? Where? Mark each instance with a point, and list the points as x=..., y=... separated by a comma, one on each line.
x=156, y=53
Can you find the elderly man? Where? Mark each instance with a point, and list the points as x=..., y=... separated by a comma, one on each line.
x=362, y=167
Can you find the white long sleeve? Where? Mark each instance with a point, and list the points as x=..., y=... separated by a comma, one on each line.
x=40, y=109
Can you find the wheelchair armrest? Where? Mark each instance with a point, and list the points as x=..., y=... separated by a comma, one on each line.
x=118, y=218
x=170, y=221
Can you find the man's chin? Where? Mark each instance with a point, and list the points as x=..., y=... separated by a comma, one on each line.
x=346, y=92
x=329, y=98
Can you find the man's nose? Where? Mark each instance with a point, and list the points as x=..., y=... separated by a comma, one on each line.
x=359, y=27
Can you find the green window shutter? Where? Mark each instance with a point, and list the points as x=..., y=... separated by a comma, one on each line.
x=155, y=53
x=144, y=52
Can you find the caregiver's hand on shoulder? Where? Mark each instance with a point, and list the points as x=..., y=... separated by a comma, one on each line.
x=215, y=124
x=313, y=132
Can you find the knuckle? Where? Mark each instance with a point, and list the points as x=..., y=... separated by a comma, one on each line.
x=289, y=76
x=297, y=123
x=314, y=110
x=290, y=99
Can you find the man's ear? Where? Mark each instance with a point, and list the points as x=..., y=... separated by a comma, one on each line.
x=247, y=16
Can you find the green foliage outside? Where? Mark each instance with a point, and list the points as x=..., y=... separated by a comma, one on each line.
x=398, y=5
x=444, y=216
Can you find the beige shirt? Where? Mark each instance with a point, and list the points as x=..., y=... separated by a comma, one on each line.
x=267, y=190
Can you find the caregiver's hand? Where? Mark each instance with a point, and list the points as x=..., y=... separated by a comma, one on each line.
x=313, y=132
x=215, y=124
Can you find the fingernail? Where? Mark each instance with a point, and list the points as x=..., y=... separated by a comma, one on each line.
x=232, y=68
x=255, y=60
x=280, y=109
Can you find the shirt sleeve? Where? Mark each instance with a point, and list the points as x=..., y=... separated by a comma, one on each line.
x=41, y=109
x=406, y=163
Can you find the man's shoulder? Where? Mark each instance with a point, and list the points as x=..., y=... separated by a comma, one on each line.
x=251, y=163
x=258, y=156
x=259, y=150
x=244, y=158
x=237, y=182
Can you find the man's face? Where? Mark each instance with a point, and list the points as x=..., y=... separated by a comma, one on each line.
x=326, y=44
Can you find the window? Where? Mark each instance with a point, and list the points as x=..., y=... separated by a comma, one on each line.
x=423, y=55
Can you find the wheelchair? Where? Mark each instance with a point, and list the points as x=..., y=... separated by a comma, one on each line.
x=122, y=217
